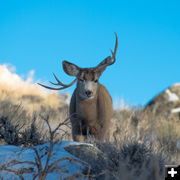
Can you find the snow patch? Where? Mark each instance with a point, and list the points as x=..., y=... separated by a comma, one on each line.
x=74, y=143
x=172, y=96
x=175, y=110
x=10, y=152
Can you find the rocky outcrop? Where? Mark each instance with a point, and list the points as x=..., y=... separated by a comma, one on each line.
x=90, y=154
x=166, y=103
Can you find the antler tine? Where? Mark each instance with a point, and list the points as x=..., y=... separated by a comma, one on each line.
x=56, y=80
x=51, y=87
x=113, y=59
x=64, y=87
x=110, y=59
x=62, y=84
x=59, y=83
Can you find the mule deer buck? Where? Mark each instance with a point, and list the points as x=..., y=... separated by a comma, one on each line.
x=91, y=104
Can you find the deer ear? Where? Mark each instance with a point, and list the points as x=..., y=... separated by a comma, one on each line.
x=70, y=69
x=100, y=70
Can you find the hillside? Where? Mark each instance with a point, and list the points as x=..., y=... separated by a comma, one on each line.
x=167, y=103
x=27, y=92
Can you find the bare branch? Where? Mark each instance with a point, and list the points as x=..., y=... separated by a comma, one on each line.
x=54, y=164
x=16, y=172
x=38, y=159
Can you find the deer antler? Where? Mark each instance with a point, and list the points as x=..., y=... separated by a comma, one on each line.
x=59, y=83
x=110, y=60
x=113, y=59
x=106, y=62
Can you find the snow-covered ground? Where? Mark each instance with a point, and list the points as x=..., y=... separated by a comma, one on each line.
x=175, y=110
x=172, y=96
x=10, y=152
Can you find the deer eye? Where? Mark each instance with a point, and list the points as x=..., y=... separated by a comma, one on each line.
x=81, y=80
x=96, y=81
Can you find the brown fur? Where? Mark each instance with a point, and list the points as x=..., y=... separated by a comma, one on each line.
x=92, y=116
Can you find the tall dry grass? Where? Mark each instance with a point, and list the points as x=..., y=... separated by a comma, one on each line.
x=22, y=99
x=132, y=130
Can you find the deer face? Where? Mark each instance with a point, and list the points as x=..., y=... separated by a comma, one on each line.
x=87, y=89
x=87, y=78
x=87, y=84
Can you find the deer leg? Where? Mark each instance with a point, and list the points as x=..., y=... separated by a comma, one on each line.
x=79, y=138
x=78, y=131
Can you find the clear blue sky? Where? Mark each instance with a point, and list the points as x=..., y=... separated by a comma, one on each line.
x=39, y=35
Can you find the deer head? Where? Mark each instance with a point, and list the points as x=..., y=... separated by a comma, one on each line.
x=87, y=78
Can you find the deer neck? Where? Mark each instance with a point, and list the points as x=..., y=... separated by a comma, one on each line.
x=87, y=109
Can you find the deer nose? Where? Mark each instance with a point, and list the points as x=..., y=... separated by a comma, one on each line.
x=89, y=93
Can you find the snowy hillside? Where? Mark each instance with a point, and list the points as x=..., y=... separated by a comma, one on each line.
x=167, y=102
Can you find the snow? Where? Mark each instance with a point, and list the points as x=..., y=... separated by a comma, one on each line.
x=175, y=110
x=172, y=96
x=72, y=143
x=10, y=152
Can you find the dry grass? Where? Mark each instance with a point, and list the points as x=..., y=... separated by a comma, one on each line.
x=163, y=132
x=131, y=160
x=26, y=92
x=133, y=131
x=21, y=111
x=139, y=146
x=22, y=99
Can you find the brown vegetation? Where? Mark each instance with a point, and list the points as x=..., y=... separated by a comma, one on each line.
x=140, y=142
